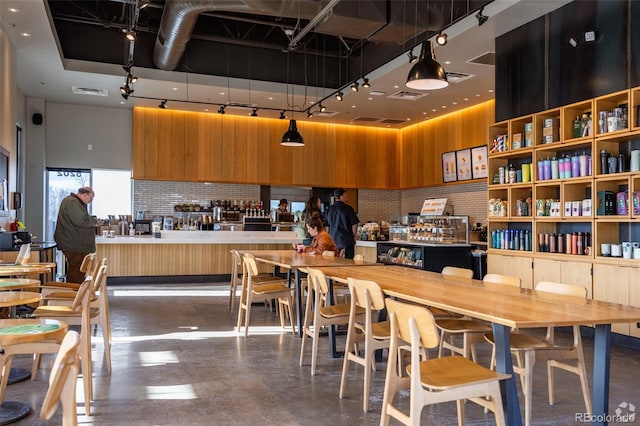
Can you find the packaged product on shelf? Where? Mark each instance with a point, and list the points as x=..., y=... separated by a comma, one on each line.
x=622, y=207
x=636, y=202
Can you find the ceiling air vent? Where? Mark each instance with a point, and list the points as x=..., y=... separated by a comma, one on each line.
x=392, y=121
x=326, y=113
x=457, y=77
x=487, y=58
x=365, y=119
x=407, y=96
x=88, y=91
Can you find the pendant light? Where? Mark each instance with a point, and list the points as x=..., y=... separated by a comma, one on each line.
x=292, y=137
x=427, y=74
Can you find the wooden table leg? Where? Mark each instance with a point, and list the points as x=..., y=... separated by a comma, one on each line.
x=298, y=295
x=504, y=365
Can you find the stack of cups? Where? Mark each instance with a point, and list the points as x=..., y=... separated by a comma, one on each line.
x=635, y=161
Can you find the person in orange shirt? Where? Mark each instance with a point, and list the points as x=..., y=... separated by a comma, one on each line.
x=322, y=241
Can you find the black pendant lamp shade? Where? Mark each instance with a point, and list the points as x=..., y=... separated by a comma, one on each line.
x=292, y=137
x=427, y=74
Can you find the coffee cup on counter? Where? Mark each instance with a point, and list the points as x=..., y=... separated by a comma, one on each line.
x=616, y=250
x=627, y=249
x=636, y=252
x=605, y=249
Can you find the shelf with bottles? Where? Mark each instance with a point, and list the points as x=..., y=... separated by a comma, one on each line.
x=564, y=238
x=610, y=234
x=521, y=202
x=511, y=236
x=549, y=120
x=498, y=137
x=576, y=121
x=515, y=169
x=571, y=162
x=612, y=197
x=521, y=133
x=618, y=155
x=612, y=113
x=634, y=118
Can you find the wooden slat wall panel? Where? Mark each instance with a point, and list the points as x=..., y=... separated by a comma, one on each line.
x=216, y=130
x=205, y=151
x=136, y=260
x=220, y=148
x=191, y=153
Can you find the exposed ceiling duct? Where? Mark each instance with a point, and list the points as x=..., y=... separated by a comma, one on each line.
x=359, y=20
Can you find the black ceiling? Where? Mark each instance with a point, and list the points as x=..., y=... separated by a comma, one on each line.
x=356, y=38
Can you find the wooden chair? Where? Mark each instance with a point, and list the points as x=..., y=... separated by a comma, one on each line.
x=78, y=313
x=237, y=267
x=365, y=295
x=472, y=331
x=436, y=380
x=358, y=258
x=88, y=266
x=99, y=301
x=319, y=313
x=529, y=349
x=272, y=290
x=62, y=382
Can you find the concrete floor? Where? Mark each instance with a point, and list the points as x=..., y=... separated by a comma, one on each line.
x=178, y=360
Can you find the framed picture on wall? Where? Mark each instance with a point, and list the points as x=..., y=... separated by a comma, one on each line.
x=479, y=162
x=463, y=161
x=449, y=173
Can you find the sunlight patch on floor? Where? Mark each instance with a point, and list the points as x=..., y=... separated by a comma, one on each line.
x=201, y=335
x=169, y=293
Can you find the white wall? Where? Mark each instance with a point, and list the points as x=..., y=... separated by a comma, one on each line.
x=70, y=129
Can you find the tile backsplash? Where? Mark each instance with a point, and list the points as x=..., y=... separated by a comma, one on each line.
x=160, y=197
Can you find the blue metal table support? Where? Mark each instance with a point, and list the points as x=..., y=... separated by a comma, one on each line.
x=504, y=365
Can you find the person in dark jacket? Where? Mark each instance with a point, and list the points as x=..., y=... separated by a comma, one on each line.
x=343, y=223
x=75, y=232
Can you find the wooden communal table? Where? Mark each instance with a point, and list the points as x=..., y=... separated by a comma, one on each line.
x=28, y=269
x=294, y=261
x=505, y=309
x=18, y=336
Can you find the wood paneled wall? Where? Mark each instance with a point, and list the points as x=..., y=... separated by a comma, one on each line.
x=422, y=145
x=204, y=147
x=201, y=147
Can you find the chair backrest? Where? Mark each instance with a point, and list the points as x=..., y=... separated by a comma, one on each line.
x=365, y=293
x=62, y=381
x=341, y=254
x=502, y=279
x=358, y=258
x=24, y=254
x=100, y=279
x=88, y=264
x=319, y=281
x=562, y=289
x=402, y=313
x=457, y=272
x=81, y=294
x=250, y=264
x=329, y=253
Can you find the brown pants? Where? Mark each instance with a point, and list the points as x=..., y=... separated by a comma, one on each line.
x=74, y=260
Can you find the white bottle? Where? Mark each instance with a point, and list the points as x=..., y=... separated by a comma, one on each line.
x=132, y=231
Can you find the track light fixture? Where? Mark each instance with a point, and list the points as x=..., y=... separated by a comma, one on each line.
x=132, y=78
x=427, y=74
x=309, y=114
x=254, y=113
x=339, y=96
x=441, y=39
x=354, y=86
x=365, y=83
x=143, y=3
x=481, y=17
x=130, y=35
x=221, y=109
x=322, y=108
x=163, y=104
x=282, y=115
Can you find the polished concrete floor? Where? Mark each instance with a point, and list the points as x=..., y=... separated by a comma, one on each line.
x=178, y=360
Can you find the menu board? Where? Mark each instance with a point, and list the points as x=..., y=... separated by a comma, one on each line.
x=479, y=162
x=449, y=173
x=463, y=161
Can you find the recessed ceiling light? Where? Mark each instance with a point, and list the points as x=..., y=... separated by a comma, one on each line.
x=454, y=103
x=388, y=125
x=426, y=118
x=25, y=34
x=408, y=118
x=174, y=88
x=444, y=106
x=370, y=99
x=395, y=86
x=490, y=90
x=13, y=10
x=221, y=93
x=434, y=110
x=353, y=106
x=424, y=113
x=447, y=62
x=477, y=95
x=270, y=98
x=121, y=102
x=206, y=110
x=466, y=99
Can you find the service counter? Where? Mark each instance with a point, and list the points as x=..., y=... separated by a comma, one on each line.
x=184, y=253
